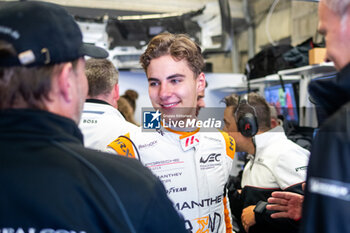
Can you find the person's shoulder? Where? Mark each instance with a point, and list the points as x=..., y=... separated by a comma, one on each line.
x=335, y=129
x=295, y=146
x=120, y=125
x=91, y=106
x=222, y=139
x=140, y=136
x=286, y=149
x=132, y=128
x=337, y=121
x=101, y=113
x=127, y=144
x=286, y=153
x=216, y=136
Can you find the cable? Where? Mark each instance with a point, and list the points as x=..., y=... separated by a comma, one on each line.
x=103, y=179
x=268, y=22
x=133, y=144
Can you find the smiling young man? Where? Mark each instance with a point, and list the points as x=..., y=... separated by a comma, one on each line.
x=193, y=165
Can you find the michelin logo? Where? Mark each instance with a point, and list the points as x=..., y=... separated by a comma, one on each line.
x=151, y=119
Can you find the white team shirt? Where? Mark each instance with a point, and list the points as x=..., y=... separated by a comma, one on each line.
x=278, y=162
x=101, y=123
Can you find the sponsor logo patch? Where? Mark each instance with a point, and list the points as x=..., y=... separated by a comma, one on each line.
x=210, y=162
x=148, y=144
x=89, y=121
x=151, y=119
x=211, y=158
x=196, y=204
x=206, y=224
x=331, y=188
x=176, y=190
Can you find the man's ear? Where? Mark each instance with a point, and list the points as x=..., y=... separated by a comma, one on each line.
x=114, y=96
x=200, y=82
x=64, y=82
x=116, y=91
x=274, y=123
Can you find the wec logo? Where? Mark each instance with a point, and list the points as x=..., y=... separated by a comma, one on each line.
x=211, y=158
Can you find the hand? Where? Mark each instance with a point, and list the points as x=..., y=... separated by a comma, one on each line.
x=289, y=204
x=248, y=217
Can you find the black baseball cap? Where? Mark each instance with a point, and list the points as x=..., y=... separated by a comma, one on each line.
x=42, y=33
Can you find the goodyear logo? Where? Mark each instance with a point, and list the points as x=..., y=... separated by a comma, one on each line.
x=176, y=190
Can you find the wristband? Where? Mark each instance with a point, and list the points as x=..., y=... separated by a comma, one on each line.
x=260, y=207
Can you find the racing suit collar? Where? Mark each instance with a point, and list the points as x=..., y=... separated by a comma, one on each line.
x=183, y=134
x=96, y=101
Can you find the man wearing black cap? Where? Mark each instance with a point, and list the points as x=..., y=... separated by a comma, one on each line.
x=50, y=182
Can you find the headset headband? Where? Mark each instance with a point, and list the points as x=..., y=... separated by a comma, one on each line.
x=243, y=99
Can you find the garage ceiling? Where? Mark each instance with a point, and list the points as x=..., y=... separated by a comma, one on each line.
x=134, y=7
x=137, y=5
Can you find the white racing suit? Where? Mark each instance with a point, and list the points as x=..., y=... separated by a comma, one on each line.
x=194, y=168
x=101, y=123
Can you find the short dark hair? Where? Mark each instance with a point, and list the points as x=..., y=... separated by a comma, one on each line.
x=179, y=46
x=262, y=109
x=101, y=75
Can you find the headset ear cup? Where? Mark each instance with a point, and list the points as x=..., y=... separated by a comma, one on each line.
x=247, y=125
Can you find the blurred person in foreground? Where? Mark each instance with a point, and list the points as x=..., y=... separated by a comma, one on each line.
x=51, y=183
x=327, y=203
